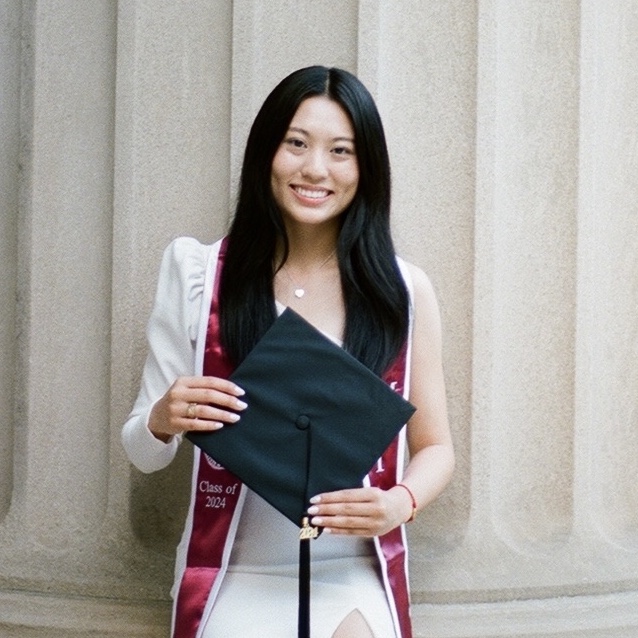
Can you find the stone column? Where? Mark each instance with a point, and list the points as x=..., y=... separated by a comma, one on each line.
x=69, y=565
x=512, y=127
x=549, y=549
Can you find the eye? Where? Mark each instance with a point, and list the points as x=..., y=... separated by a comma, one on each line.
x=343, y=150
x=294, y=142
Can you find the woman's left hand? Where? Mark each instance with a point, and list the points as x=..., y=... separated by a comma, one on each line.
x=364, y=511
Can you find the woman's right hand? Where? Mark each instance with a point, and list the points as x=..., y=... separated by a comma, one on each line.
x=195, y=403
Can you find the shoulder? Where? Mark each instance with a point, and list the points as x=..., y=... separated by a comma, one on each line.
x=419, y=283
x=185, y=261
x=187, y=253
x=182, y=280
x=181, y=288
x=427, y=315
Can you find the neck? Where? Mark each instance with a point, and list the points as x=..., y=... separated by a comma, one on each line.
x=307, y=251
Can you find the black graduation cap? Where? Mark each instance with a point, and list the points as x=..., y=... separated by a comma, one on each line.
x=317, y=420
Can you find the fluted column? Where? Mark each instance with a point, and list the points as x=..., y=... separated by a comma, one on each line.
x=425, y=88
x=607, y=309
x=61, y=368
x=512, y=127
x=171, y=178
x=9, y=190
x=554, y=393
x=59, y=540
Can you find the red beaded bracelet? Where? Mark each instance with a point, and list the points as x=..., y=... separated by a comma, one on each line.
x=409, y=491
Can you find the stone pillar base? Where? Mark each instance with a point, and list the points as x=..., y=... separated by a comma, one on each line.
x=604, y=616
x=29, y=615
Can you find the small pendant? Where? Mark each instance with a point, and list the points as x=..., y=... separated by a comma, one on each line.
x=299, y=293
x=307, y=531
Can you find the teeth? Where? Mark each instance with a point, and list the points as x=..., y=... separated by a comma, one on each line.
x=311, y=194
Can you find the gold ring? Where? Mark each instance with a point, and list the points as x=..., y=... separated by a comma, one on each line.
x=190, y=413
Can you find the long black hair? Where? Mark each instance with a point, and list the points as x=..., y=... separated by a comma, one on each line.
x=375, y=296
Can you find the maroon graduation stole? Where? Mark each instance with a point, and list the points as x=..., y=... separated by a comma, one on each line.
x=391, y=547
x=215, y=507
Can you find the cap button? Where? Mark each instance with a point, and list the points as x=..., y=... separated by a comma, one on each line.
x=302, y=422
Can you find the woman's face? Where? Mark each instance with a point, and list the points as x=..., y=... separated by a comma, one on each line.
x=315, y=172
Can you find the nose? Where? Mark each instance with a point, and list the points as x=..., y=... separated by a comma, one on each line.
x=315, y=166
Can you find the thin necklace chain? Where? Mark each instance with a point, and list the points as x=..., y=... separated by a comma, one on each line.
x=300, y=291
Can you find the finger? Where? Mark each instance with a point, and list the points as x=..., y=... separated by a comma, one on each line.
x=206, y=390
x=343, y=524
x=205, y=396
x=214, y=413
x=358, y=494
x=337, y=531
x=203, y=414
x=349, y=509
x=200, y=425
x=213, y=383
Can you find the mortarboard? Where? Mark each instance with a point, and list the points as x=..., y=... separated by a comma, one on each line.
x=317, y=421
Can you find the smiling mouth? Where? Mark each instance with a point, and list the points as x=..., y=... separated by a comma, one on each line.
x=311, y=193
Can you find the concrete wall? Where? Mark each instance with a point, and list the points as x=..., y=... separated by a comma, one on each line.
x=513, y=129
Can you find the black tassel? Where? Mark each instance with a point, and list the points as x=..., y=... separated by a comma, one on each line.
x=304, y=589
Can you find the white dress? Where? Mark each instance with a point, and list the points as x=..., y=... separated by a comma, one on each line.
x=258, y=596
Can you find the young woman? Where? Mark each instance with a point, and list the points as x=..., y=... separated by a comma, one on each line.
x=311, y=231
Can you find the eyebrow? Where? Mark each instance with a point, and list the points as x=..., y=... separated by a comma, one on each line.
x=296, y=129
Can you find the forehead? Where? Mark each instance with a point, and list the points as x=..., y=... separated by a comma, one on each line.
x=321, y=116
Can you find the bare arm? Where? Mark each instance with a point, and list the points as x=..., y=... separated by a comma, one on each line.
x=429, y=438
